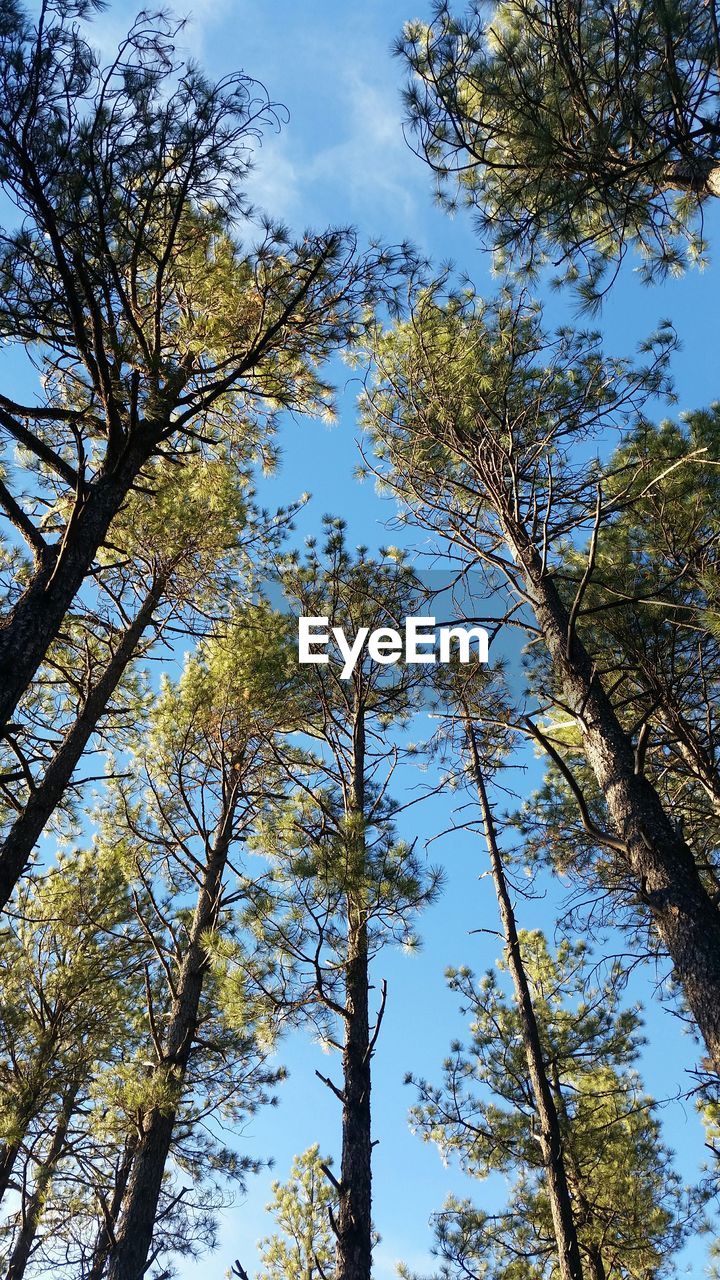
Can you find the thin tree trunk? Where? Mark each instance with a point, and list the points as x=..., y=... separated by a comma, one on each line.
x=106, y=1234
x=569, y=1257
x=17, y=847
x=9, y=1153
x=667, y=878
x=596, y=1264
x=33, y=623
x=354, y=1226
x=585, y=1213
x=129, y=1253
x=32, y=1212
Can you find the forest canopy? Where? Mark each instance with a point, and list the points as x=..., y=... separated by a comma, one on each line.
x=359, y=641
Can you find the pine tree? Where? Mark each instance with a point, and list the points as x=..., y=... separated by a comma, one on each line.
x=72, y=975
x=172, y=566
x=302, y=1248
x=196, y=787
x=484, y=426
x=60, y=990
x=631, y=1211
x=161, y=334
x=573, y=130
x=650, y=618
x=341, y=884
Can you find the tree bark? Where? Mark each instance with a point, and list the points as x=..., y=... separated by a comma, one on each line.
x=354, y=1225
x=551, y=1142
x=32, y=1212
x=30, y=627
x=36, y=1088
x=9, y=1153
x=662, y=863
x=106, y=1234
x=17, y=847
x=596, y=1264
x=585, y=1214
x=130, y=1250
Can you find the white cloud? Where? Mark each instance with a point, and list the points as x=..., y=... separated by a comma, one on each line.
x=275, y=186
x=109, y=27
x=368, y=175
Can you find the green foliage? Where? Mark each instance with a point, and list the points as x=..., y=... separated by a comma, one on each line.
x=187, y=797
x=71, y=982
x=485, y=425
x=629, y=1205
x=69, y=975
x=336, y=863
x=649, y=619
x=303, y=1247
x=572, y=129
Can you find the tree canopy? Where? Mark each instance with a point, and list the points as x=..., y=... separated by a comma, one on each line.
x=573, y=130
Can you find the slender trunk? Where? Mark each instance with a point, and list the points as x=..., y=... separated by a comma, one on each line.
x=663, y=865
x=129, y=1254
x=33, y=623
x=596, y=1264
x=9, y=1153
x=551, y=1143
x=36, y=1088
x=17, y=847
x=585, y=1213
x=32, y=1211
x=111, y=1211
x=354, y=1225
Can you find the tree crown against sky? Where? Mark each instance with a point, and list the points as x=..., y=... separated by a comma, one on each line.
x=573, y=130
x=151, y=509
x=630, y=1205
x=331, y=859
x=302, y=1246
x=159, y=332
x=650, y=621
x=473, y=404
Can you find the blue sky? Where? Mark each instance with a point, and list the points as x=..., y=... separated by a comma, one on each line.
x=342, y=159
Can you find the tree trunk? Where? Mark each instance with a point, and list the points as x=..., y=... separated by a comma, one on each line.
x=129, y=1253
x=596, y=1264
x=36, y=618
x=700, y=175
x=9, y=1153
x=569, y=1258
x=36, y=1089
x=17, y=847
x=585, y=1212
x=354, y=1226
x=106, y=1234
x=663, y=865
x=32, y=1212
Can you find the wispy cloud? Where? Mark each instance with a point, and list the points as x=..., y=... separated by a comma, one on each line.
x=360, y=170
x=109, y=27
